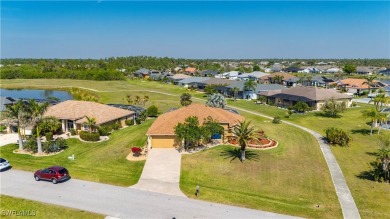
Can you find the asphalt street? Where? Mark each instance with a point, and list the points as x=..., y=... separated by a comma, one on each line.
x=118, y=201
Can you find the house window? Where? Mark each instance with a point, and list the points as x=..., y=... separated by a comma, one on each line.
x=86, y=127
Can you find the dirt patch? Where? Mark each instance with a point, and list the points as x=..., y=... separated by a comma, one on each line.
x=17, y=151
x=131, y=157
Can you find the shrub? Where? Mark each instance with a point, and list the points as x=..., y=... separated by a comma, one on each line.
x=31, y=145
x=136, y=150
x=152, y=111
x=104, y=130
x=301, y=107
x=337, y=136
x=277, y=120
x=73, y=132
x=116, y=126
x=54, y=146
x=49, y=136
x=129, y=122
x=138, y=120
x=86, y=136
x=2, y=128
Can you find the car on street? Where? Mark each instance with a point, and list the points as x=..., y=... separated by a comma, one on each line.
x=54, y=174
x=4, y=164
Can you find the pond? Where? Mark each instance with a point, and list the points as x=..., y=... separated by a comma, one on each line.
x=35, y=94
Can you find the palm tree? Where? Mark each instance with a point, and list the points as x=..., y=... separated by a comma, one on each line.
x=129, y=99
x=374, y=115
x=380, y=100
x=36, y=111
x=278, y=79
x=16, y=112
x=235, y=92
x=244, y=133
x=91, y=123
x=250, y=85
x=137, y=100
x=144, y=100
x=382, y=118
x=369, y=81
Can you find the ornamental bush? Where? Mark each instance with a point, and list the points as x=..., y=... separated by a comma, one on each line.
x=73, y=132
x=104, y=130
x=337, y=136
x=152, y=111
x=136, y=150
x=86, y=136
x=49, y=136
x=276, y=120
x=129, y=122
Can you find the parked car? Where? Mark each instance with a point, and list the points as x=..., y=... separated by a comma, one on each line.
x=4, y=164
x=54, y=174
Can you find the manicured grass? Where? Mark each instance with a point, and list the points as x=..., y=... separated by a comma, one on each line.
x=16, y=207
x=371, y=197
x=103, y=162
x=290, y=179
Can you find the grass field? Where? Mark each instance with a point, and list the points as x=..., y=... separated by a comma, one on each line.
x=371, y=197
x=33, y=209
x=94, y=161
x=291, y=179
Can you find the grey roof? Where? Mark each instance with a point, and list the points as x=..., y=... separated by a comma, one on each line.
x=142, y=71
x=209, y=72
x=306, y=94
x=193, y=80
x=293, y=80
x=259, y=87
x=4, y=101
x=217, y=81
x=255, y=74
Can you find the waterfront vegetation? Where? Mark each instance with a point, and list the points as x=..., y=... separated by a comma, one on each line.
x=371, y=197
x=40, y=210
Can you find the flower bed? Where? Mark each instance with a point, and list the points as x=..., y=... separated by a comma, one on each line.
x=136, y=151
x=260, y=143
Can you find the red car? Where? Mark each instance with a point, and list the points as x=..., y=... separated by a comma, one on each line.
x=54, y=174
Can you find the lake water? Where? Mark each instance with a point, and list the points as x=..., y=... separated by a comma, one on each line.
x=36, y=94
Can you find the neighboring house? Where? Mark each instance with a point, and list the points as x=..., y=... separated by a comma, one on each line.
x=357, y=85
x=231, y=75
x=293, y=69
x=219, y=84
x=333, y=70
x=310, y=70
x=190, y=70
x=256, y=75
x=318, y=81
x=270, y=79
x=193, y=82
x=313, y=96
x=208, y=73
x=276, y=67
x=177, y=77
x=250, y=94
x=72, y=114
x=363, y=70
x=158, y=76
x=142, y=73
x=162, y=132
x=136, y=109
x=384, y=71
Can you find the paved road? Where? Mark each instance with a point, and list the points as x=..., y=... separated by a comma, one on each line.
x=161, y=172
x=344, y=195
x=117, y=201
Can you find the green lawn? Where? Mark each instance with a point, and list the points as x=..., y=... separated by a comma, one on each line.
x=39, y=210
x=371, y=197
x=290, y=179
x=103, y=162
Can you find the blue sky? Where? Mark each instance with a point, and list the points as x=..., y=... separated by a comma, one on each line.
x=276, y=29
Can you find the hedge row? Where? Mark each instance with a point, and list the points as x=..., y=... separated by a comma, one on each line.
x=86, y=136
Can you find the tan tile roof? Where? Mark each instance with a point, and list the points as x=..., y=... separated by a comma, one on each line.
x=354, y=83
x=307, y=94
x=284, y=75
x=179, y=76
x=75, y=110
x=190, y=69
x=164, y=124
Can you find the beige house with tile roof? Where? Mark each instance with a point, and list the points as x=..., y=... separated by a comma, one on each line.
x=314, y=97
x=162, y=132
x=72, y=114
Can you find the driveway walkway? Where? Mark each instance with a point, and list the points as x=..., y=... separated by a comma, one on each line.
x=117, y=201
x=161, y=172
x=8, y=138
x=347, y=203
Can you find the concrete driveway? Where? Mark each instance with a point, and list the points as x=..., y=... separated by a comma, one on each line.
x=118, y=201
x=161, y=172
x=8, y=139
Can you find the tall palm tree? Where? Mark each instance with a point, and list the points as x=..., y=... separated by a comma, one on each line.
x=250, y=85
x=244, y=133
x=91, y=123
x=36, y=111
x=16, y=112
x=374, y=115
x=382, y=118
x=235, y=92
x=381, y=100
x=369, y=81
x=278, y=79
